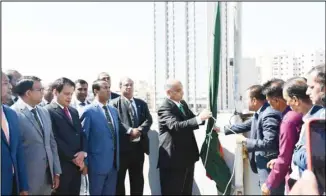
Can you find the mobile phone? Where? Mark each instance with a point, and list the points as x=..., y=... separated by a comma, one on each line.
x=316, y=149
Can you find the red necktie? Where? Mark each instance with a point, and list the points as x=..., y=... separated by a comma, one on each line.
x=65, y=109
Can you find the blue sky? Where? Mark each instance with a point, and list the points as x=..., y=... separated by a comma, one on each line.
x=79, y=40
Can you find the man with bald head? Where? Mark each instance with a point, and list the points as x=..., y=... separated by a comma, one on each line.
x=137, y=120
x=106, y=77
x=178, y=150
x=13, y=171
x=14, y=76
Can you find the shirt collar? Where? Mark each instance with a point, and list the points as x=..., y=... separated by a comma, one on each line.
x=311, y=112
x=177, y=103
x=100, y=104
x=56, y=101
x=79, y=102
x=132, y=99
x=20, y=100
x=45, y=101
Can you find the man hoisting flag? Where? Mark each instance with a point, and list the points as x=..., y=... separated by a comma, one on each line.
x=212, y=152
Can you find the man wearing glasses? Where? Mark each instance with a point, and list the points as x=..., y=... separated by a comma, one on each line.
x=40, y=149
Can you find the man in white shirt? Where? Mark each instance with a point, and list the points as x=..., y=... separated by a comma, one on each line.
x=79, y=102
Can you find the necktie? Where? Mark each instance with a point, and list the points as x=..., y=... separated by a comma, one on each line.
x=66, y=111
x=107, y=115
x=82, y=103
x=37, y=120
x=133, y=113
x=4, y=126
x=181, y=109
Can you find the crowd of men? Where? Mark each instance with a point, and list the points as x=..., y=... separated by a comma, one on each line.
x=277, y=146
x=55, y=141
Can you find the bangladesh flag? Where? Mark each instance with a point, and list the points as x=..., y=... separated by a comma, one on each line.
x=211, y=151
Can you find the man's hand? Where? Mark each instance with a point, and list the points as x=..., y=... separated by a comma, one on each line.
x=23, y=193
x=85, y=171
x=265, y=190
x=240, y=138
x=81, y=167
x=79, y=158
x=205, y=114
x=216, y=129
x=135, y=133
x=271, y=164
x=56, y=182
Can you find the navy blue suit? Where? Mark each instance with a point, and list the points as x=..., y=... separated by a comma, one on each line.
x=262, y=145
x=102, y=171
x=12, y=154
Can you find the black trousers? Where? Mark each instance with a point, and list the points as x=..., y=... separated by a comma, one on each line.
x=14, y=186
x=133, y=161
x=70, y=179
x=177, y=181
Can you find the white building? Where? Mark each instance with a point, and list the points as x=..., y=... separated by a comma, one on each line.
x=289, y=64
x=180, y=49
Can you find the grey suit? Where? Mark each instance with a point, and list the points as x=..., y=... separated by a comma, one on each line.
x=38, y=149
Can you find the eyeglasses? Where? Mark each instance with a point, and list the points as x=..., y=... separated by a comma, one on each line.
x=38, y=89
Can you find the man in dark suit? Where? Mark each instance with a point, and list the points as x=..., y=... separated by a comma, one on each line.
x=102, y=127
x=68, y=135
x=106, y=77
x=178, y=150
x=264, y=137
x=13, y=171
x=137, y=120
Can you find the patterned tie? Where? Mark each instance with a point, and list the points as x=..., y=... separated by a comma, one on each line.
x=133, y=113
x=4, y=126
x=66, y=111
x=181, y=109
x=106, y=111
x=37, y=120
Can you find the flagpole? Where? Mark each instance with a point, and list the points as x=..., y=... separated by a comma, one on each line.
x=238, y=156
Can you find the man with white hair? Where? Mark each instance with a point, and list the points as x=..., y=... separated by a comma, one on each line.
x=316, y=85
x=178, y=150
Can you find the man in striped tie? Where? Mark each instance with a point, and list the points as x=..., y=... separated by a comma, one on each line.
x=102, y=127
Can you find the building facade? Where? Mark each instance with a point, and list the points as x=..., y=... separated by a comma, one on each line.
x=180, y=50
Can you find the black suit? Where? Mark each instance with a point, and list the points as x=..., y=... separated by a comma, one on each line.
x=114, y=95
x=132, y=153
x=70, y=140
x=178, y=150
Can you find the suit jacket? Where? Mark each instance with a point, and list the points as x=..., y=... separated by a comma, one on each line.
x=68, y=135
x=12, y=154
x=100, y=151
x=114, y=95
x=144, y=119
x=177, y=143
x=264, y=137
x=37, y=147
